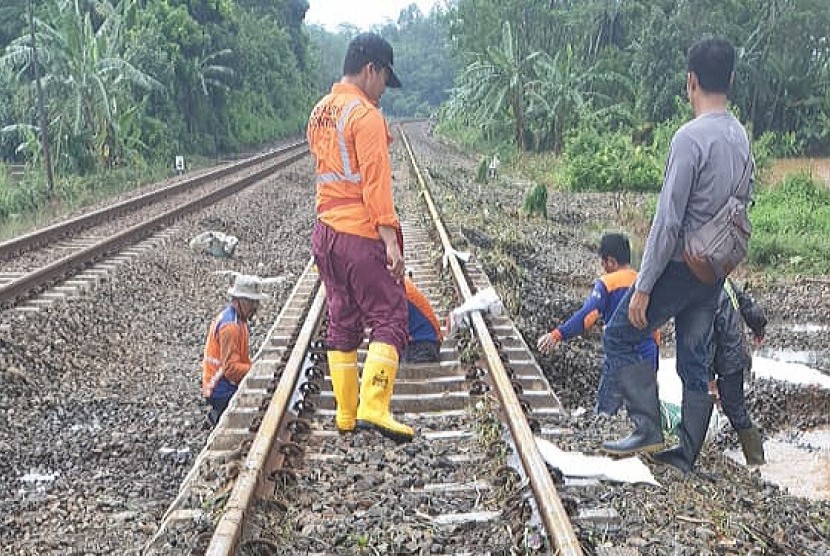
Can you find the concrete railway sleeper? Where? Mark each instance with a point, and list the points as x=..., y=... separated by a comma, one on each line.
x=277, y=478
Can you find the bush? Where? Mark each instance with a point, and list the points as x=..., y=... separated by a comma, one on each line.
x=536, y=200
x=791, y=222
x=609, y=162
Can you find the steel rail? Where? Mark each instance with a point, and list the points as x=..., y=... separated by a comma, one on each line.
x=289, y=306
x=555, y=518
x=58, y=269
x=43, y=236
x=228, y=531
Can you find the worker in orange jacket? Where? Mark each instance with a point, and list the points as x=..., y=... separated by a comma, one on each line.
x=226, y=360
x=355, y=239
x=424, y=329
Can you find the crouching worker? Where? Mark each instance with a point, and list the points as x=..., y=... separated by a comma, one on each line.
x=609, y=289
x=226, y=360
x=424, y=329
x=732, y=359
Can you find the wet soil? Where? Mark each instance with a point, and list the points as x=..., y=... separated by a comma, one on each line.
x=544, y=267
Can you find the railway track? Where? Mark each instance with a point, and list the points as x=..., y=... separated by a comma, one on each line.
x=43, y=258
x=276, y=478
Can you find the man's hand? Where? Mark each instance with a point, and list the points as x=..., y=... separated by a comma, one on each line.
x=637, y=309
x=547, y=342
x=394, y=257
x=757, y=340
x=394, y=261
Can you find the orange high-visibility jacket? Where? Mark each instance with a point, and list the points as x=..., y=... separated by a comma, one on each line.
x=226, y=354
x=350, y=140
x=416, y=298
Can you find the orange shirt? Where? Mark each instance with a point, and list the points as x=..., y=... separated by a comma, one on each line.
x=349, y=138
x=226, y=351
x=419, y=300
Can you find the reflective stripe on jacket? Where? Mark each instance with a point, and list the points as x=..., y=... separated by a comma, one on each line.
x=607, y=293
x=226, y=359
x=349, y=139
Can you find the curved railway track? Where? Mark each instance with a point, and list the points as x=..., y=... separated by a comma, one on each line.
x=276, y=478
x=37, y=260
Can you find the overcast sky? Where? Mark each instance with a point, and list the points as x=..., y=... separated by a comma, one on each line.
x=361, y=13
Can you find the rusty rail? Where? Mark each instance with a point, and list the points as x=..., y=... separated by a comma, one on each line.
x=42, y=277
x=555, y=518
x=43, y=236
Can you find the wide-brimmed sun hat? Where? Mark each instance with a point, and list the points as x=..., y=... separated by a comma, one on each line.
x=247, y=286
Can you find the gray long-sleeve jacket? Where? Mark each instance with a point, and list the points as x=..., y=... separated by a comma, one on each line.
x=707, y=159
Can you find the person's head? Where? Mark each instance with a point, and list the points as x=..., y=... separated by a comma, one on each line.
x=247, y=307
x=369, y=65
x=711, y=69
x=615, y=252
x=245, y=295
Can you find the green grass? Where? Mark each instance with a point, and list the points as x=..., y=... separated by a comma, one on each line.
x=791, y=223
x=25, y=204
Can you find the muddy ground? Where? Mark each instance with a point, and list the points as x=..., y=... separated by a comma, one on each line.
x=543, y=268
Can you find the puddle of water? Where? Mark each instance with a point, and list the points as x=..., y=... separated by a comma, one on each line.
x=818, y=167
x=798, y=462
x=784, y=365
x=790, y=366
x=809, y=328
x=787, y=355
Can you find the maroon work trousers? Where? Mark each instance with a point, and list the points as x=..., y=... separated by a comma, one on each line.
x=360, y=291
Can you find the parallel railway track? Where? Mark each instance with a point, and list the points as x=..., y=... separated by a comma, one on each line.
x=276, y=478
x=38, y=264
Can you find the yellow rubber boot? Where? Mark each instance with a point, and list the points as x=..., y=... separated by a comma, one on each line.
x=376, y=393
x=343, y=373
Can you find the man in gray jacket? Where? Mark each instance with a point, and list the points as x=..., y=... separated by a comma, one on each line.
x=707, y=159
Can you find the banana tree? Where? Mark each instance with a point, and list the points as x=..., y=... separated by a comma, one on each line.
x=495, y=85
x=85, y=74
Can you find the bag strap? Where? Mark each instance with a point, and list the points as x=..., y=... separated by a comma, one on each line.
x=741, y=181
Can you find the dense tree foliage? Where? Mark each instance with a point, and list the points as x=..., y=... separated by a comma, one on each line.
x=422, y=60
x=621, y=64
x=134, y=81
x=139, y=80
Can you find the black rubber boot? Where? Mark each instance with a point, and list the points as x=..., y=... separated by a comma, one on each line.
x=694, y=422
x=752, y=446
x=638, y=386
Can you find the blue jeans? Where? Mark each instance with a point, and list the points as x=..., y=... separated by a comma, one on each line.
x=692, y=303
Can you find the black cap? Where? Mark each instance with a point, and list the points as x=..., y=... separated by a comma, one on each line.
x=372, y=48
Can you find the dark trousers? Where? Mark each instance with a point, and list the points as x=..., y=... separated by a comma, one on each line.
x=218, y=407
x=692, y=303
x=733, y=401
